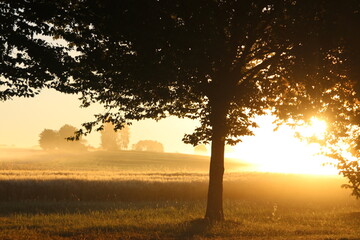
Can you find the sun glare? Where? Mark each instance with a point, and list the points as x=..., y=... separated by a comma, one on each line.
x=317, y=128
x=280, y=151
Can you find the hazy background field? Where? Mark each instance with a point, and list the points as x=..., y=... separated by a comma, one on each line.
x=135, y=176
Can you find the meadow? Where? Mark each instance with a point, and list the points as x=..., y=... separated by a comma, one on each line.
x=141, y=195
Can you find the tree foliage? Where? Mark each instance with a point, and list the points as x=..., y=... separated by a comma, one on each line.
x=29, y=62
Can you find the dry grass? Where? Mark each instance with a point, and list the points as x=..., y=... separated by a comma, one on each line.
x=175, y=220
x=96, y=196
x=61, y=186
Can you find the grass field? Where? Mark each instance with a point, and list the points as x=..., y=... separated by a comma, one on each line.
x=139, y=195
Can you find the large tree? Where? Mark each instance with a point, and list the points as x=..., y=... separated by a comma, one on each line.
x=221, y=62
x=215, y=61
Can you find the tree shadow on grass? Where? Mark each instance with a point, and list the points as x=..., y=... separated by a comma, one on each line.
x=63, y=207
x=196, y=227
x=352, y=218
x=203, y=228
x=186, y=231
x=104, y=232
x=353, y=215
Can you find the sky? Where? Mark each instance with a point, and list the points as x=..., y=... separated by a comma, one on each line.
x=23, y=119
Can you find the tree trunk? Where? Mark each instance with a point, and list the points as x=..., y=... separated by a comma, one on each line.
x=214, y=209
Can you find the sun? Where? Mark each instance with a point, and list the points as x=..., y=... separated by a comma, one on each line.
x=280, y=151
x=316, y=128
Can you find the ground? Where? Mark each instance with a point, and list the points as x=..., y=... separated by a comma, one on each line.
x=137, y=195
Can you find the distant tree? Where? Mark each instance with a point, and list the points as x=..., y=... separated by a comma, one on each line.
x=112, y=139
x=52, y=139
x=109, y=138
x=65, y=132
x=148, y=145
x=49, y=139
x=200, y=149
x=124, y=137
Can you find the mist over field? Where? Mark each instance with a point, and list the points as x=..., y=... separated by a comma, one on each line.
x=125, y=173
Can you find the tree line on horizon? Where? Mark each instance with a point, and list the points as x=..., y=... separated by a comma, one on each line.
x=111, y=140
